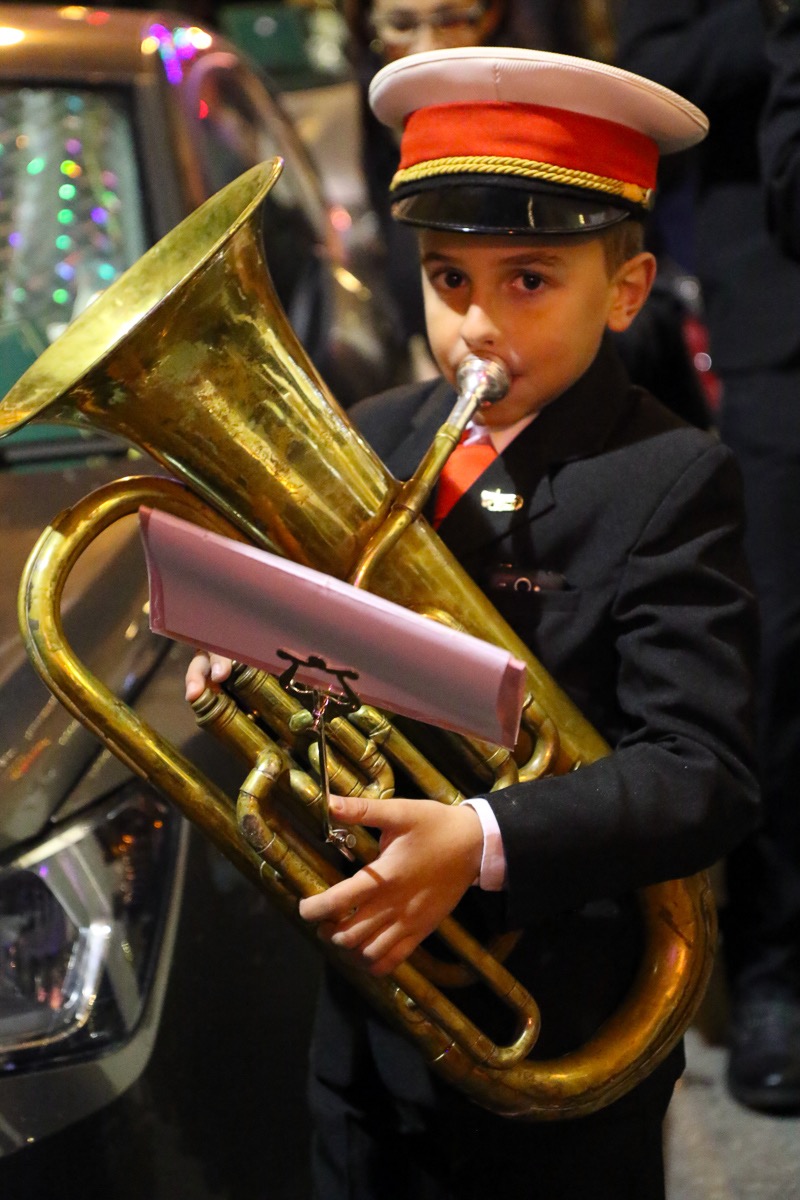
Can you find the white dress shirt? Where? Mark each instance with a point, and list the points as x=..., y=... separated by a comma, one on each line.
x=492, y=877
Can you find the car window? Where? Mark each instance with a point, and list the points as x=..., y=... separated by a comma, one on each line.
x=71, y=217
x=73, y=213
x=238, y=127
x=297, y=45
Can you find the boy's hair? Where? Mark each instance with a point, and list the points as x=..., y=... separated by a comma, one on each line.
x=620, y=242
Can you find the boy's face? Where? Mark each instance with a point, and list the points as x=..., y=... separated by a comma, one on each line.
x=538, y=305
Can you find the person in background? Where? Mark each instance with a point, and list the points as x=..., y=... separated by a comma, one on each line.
x=713, y=52
x=779, y=133
x=626, y=523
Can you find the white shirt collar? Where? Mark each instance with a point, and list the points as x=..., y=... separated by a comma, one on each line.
x=500, y=438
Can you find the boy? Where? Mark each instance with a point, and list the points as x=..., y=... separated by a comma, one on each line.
x=528, y=175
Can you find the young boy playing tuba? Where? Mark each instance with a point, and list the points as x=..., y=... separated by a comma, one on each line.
x=528, y=177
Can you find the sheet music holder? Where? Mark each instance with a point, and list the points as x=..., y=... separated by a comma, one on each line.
x=253, y=606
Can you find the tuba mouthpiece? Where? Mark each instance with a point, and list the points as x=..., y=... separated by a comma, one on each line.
x=485, y=380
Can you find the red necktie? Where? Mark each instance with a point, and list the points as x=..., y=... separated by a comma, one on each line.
x=462, y=468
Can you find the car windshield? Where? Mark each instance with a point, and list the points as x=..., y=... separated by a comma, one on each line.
x=73, y=214
x=71, y=219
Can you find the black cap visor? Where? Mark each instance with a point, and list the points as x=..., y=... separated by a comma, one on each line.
x=464, y=205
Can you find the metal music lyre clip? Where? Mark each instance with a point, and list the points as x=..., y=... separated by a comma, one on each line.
x=345, y=700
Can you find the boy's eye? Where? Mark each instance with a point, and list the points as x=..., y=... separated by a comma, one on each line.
x=531, y=281
x=453, y=278
x=445, y=279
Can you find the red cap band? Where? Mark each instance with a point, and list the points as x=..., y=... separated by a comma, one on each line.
x=527, y=140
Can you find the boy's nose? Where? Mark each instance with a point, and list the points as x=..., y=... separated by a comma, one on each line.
x=477, y=328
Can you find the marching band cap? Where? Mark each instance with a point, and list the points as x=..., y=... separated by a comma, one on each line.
x=506, y=140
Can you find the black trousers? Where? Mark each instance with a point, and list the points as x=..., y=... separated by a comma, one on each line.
x=760, y=421
x=385, y=1129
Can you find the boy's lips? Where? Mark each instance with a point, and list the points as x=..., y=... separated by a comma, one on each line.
x=489, y=404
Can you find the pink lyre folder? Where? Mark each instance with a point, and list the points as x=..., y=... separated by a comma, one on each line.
x=248, y=604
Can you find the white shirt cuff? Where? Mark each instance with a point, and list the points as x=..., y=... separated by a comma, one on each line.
x=492, y=876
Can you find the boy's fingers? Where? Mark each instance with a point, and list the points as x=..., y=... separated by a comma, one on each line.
x=201, y=669
x=377, y=961
x=339, y=902
x=220, y=668
x=355, y=931
x=351, y=809
x=385, y=963
x=196, y=676
x=386, y=814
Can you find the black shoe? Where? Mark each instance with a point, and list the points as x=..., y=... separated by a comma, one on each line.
x=764, y=1063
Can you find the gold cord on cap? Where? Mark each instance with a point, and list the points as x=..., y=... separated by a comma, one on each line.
x=527, y=169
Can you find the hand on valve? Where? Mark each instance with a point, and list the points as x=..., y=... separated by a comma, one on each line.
x=430, y=853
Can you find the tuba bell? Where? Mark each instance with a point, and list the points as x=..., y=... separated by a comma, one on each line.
x=189, y=356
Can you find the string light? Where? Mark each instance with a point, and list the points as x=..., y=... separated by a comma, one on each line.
x=81, y=198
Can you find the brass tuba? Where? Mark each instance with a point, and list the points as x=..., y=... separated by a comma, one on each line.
x=190, y=356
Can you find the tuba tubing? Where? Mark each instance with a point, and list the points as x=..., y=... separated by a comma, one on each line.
x=190, y=357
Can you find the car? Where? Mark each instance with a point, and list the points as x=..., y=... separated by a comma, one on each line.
x=169, y=113
x=154, y=1010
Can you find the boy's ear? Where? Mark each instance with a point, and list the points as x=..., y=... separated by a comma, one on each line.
x=630, y=287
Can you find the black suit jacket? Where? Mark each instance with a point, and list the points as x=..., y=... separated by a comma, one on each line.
x=651, y=633
x=780, y=129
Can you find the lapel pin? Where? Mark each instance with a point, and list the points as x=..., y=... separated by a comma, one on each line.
x=500, y=502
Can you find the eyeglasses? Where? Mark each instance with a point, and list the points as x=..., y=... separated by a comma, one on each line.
x=402, y=25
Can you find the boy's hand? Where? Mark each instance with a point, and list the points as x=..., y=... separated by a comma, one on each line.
x=430, y=854
x=203, y=668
